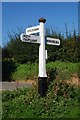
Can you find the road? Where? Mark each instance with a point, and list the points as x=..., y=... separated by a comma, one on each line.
x=13, y=85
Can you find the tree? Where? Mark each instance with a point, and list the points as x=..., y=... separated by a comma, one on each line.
x=22, y=52
x=0, y=54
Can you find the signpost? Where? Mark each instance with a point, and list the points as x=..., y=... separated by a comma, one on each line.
x=41, y=40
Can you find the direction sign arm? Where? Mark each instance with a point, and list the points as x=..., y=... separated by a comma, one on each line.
x=33, y=30
x=52, y=41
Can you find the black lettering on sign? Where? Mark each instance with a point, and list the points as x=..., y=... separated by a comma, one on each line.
x=26, y=39
x=29, y=40
x=26, y=36
x=33, y=40
x=52, y=41
x=57, y=42
x=33, y=30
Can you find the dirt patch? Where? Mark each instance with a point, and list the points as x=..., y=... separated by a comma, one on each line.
x=74, y=80
x=29, y=81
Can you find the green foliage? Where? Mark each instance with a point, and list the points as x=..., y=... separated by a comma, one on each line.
x=61, y=100
x=5, y=53
x=25, y=71
x=9, y=67
x=63, y=70
x=10, y=95
x=51, y=73
x=26, y=102
x=0, y=54
x=20, y=51
x=24, y=52
x=61, y=88
x=70, y=49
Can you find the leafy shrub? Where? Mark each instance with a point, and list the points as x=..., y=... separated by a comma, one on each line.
x=9, y=95
x=61, y=101
x=61, y=88
x=9, y=67
x=52, y=73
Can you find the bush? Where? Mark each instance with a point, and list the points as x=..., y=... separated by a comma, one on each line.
x=9, y=67
x=51, y=73
x=61, y=101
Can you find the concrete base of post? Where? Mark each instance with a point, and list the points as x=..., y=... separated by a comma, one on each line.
x=42, y=86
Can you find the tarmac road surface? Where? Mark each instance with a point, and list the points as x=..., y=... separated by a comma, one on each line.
x=13, y=85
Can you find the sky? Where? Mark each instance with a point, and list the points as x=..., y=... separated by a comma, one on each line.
x=20, y=15
x=0, y=23
x=40, y=0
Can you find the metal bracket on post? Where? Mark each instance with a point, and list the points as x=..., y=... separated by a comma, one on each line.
x=46, y=54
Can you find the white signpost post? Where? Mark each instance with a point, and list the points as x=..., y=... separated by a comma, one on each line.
x=42, y=77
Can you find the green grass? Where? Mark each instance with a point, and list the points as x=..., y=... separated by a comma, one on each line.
x=25, y=71
x=65, y=70
x=30, y=71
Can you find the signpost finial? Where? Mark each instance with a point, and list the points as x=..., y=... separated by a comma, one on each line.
x=42, y=20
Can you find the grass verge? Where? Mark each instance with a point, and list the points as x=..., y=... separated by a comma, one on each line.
x=30, y=71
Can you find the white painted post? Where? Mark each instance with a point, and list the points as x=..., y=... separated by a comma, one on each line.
x=42, y=55
x=42, y=78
